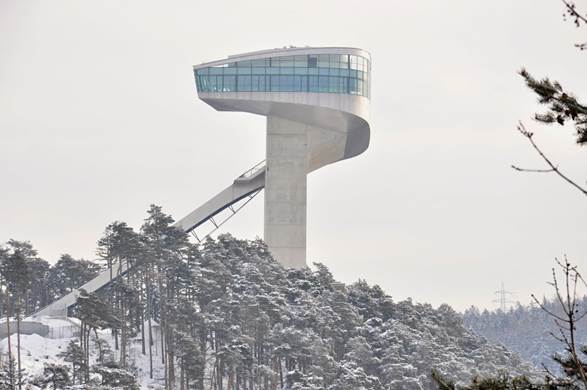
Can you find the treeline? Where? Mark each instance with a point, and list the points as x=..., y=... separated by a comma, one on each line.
x=28, y=283
x=231, y=317
x=527, y=329
x=32, y=283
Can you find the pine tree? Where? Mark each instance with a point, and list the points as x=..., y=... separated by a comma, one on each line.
x=94, y=314
x=17, y=275
x=75, y=355
x=56, y=375
x=69, y=274
x=115, y=377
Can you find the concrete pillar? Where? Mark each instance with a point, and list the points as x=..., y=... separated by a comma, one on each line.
x=285, y=191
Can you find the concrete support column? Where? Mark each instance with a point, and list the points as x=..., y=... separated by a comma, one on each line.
x=285, y=191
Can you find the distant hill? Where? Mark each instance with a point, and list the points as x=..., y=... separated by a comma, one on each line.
x=526, y=330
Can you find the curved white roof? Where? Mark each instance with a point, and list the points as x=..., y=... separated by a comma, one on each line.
x=285, y=51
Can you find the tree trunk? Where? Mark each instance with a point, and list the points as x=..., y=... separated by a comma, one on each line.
x=8, y=326
x=230, y=381
x=123, y=336
x=18, y=310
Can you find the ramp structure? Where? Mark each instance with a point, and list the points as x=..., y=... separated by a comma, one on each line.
x=234, y=197
x=316, y=101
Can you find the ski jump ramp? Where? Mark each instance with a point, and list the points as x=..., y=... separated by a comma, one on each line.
x=317, y=104
x=244, y=187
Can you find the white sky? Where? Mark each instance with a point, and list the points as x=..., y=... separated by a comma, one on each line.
x=99, y=118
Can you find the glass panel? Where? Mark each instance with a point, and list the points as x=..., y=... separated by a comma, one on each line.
x=334, y=60
x=258, y=83
x=312, y=61
x=272, y=70
x=313, y=83
x=262, y=62
x=301, y=70
x=275, y=83
x=344, y=61
x=323, y=83
x=213, y=85
x=258, y=70
x=286, y=83
x=243, y=71
x=230, y=70
x=301, y=61
x=333, y=84
x=229, y=84
x=287, y=70
x=301, y=83
x=244, y=83
x=323, y=61
x=216, y=70
x=353, y=86
x=323, y=71
x=243, y=64
x=286, y=61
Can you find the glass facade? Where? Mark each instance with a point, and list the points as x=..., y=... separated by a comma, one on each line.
x=325, y=73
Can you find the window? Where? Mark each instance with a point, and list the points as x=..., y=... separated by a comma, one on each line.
x=286, y=61
x=323, y=61
x=313, y=83
x=301, y=61
x=275, y=84
x=260, y=63
x=244, y=83
x=300, y=83
x=286, y=83
x=316, y=73
x=258, y=83
x=323, y=83
x=229, y=84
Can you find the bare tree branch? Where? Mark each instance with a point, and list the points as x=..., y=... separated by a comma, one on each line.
x=553, y=168
x=572, y=11
x=532, y=170
x=567, y=325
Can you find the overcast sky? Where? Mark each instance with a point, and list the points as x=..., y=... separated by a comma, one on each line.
x=99, y=118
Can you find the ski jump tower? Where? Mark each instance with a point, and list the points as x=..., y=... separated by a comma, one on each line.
x=316, y=101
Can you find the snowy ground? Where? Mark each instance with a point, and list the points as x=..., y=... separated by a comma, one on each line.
x=37, y=350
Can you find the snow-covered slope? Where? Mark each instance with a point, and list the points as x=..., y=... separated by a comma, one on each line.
x=37, y=351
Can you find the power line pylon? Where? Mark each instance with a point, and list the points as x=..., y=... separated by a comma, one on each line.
x=502, y=298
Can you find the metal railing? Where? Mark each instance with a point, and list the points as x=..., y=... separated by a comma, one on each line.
x=252, y=171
